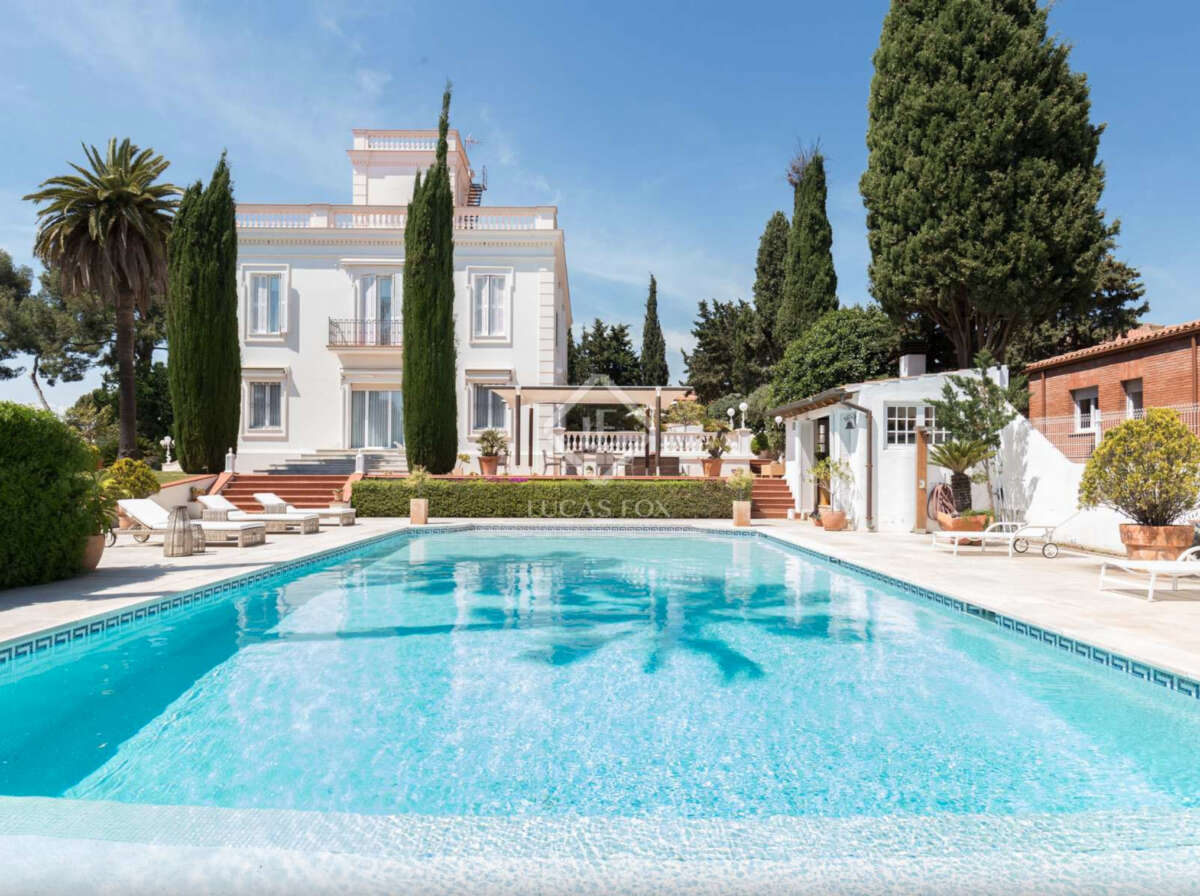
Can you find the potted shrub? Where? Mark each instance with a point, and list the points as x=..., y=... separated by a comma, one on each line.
x=741, y=483
x=761, y=446
x=1149, y=471
x=827, y=473
x=959, y=456
x=491, y=443
x=716, y=445
x=102, y=509
x=128, y=478
x=418, y=505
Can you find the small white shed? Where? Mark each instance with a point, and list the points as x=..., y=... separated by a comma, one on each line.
x=873, y=426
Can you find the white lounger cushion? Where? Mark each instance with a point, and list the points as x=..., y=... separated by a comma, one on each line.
x=154, y=516
x=1187, y=564
x=219, y=502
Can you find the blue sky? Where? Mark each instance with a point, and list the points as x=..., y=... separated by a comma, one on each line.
x=661, y=131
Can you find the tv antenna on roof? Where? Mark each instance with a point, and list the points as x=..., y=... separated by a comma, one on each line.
x=471, y=141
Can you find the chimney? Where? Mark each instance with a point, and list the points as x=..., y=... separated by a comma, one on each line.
x=912, y=365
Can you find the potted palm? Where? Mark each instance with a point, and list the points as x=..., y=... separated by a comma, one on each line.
x=827, y=473
x=959, y=456
x=491, y=443
x=741, y=483
x=716, y=445
x=102, y=508
x=1149, y=471
x=418, y=505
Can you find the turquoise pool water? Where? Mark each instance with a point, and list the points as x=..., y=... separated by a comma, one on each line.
x=481, y=673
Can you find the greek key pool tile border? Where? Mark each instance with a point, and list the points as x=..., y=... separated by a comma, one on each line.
x=1123, y=664
x=16, y=652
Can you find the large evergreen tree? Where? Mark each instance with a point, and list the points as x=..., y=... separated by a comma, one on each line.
x=605, y=353
x=769, y=274
x=430, y=398
x=728, y=355
x=982, y=185
x=654, y=347
x=846, y=345
x=810, y=282
x=205, y=372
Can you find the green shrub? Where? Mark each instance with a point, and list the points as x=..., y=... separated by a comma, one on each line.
x=129, y=478
x=556, y=498
x=741, y=483
x=1148, y=470
x=47, y=497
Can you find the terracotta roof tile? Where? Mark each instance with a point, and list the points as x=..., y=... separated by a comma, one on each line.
x=1146, y=334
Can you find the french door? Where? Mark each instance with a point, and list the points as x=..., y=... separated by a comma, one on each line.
x=376, y=418
x=378, y=322
x=820, y=452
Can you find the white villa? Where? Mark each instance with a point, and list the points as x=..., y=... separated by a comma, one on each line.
x=321, y=300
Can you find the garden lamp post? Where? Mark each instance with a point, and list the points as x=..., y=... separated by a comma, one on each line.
x=730, y=412
x=167, y=442
x=743, y=407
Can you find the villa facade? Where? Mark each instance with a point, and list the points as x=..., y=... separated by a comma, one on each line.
x=321, y=296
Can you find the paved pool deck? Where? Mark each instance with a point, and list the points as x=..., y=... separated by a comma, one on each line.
x=1060, y=594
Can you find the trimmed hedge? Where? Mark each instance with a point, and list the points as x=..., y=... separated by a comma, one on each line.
x=46, y=497
x=551, y=498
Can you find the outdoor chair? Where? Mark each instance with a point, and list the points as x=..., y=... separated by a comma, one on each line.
x=1014, y=535
x=218, y=507
x=606, y=463
x=343, y=516
x=551, y=462
x=1186, y=564
x=572, y=464
x=150, y=519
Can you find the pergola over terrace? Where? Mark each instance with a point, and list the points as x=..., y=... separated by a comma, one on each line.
x=652, y=398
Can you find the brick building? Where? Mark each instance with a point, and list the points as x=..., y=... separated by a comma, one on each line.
x=1074, y=398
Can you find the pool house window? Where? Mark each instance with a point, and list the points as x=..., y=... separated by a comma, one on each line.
x=266, y=402
x=937, y=435
x=267, y=309
x=902, y=424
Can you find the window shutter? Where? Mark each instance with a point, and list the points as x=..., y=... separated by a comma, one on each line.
x=283, y=303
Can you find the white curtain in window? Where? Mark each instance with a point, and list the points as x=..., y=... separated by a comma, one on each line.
x=489, y=305
x=265, y=405
x=266, y=304
x=488, y=409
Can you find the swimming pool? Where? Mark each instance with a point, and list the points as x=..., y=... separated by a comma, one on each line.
x=619, y=676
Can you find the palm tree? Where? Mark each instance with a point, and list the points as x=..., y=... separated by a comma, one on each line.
x=105, y=231
x=958, y=457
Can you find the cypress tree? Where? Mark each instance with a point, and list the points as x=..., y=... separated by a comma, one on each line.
x=654, y=347
x=769, y=273
x=810, y=282
x=204, y=367
x=982, y=185
x=430, y=397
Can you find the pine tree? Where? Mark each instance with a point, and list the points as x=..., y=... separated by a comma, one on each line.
x=727, y=356
x=769, y=274
x=810, y=282
x=430, y=398
x=982, y=184
x=654, y=347
x=205, y=371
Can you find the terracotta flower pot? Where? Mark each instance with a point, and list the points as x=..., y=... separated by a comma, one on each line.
x=833, y=520
x=741, y=513
x=92, y=552
x=712, y=467
x=487, y=465
x=962, y=523
x=418, y=511
x=1156, y=542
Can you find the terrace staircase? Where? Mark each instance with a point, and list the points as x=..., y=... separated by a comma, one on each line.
x=770, y=499
x=299, y=490
x=339, y=462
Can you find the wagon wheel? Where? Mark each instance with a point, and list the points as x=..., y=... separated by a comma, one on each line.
x=110, y=537
x=141, y=537
x=1021, y=545
x=1049, y=550
x=941, y=500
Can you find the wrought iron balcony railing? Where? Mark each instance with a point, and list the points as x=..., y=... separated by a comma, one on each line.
x=359, y=332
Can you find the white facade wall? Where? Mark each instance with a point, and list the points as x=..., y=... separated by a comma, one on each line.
x=321, y=253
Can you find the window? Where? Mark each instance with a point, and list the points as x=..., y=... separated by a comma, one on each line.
x=266, y=304
x=487, y=409
x=265, y=405
x=1133, y=398
x=490, y=306
x=377, y=310
x=902, y=425
x=1087, y=409
x=937, y=435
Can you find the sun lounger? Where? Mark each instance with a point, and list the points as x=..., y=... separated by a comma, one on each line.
x=150, y=518
x=1187, y=564
x=1015, y=536
x=343, y=516
x=222, y=508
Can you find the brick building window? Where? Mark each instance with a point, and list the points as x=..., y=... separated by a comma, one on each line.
x=1087, y=408
x=1133, y=398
